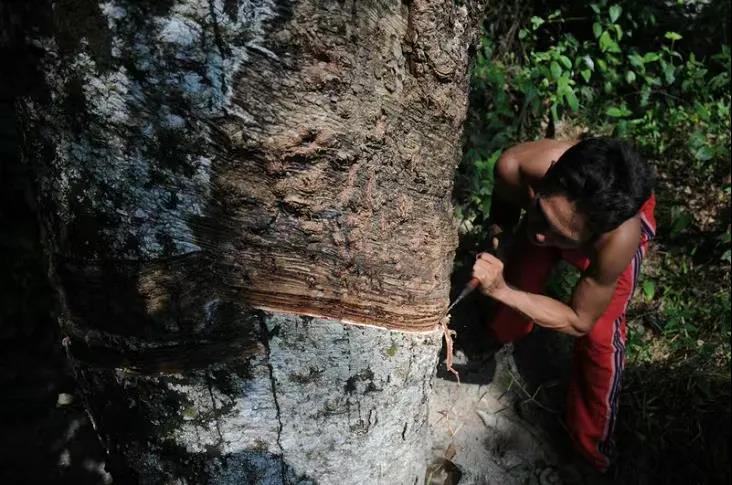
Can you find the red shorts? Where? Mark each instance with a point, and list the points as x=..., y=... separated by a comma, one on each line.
x=599, y=357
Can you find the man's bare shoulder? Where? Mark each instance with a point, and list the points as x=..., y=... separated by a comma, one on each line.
x=543, y=147
x=535, y=157
x=545, y=144
x=614, y=250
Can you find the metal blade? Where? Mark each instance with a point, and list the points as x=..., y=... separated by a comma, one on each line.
x=457, y=300
x=472, y=284
x=452, y=305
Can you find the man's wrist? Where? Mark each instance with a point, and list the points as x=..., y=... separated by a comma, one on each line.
x=501, y=293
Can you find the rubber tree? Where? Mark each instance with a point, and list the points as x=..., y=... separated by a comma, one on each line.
x=246, y=205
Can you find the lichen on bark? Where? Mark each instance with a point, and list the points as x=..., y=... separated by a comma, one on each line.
x=131, y=125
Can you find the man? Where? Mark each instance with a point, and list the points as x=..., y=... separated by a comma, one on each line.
x=590, y=203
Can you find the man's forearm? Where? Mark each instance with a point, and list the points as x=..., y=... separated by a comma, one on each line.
x=542, y=310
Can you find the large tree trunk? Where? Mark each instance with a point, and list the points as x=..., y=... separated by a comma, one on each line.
x=246, y=205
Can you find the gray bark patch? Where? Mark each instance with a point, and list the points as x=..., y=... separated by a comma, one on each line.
x=323, y=402
x=352, y=400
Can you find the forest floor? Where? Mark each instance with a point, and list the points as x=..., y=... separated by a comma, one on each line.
x=500, y=433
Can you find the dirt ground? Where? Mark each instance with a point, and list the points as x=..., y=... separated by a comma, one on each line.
x=501, y=432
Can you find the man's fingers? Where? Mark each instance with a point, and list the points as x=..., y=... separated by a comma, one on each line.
x=487, y=257
x=485, y=268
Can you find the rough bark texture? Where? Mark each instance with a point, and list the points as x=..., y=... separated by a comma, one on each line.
x=206, y=168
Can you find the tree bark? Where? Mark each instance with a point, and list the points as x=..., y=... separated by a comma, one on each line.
x=246, y=206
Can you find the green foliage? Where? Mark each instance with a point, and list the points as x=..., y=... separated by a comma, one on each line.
x=689, y=295
x=671, y=104
x=481, y=184
x=562, y=281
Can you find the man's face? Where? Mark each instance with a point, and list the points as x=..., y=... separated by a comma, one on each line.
x=554, y=221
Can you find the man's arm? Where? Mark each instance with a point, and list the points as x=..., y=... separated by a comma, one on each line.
x=590, y=298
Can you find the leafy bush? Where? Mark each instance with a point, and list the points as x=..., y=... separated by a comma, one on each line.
x=673, y=106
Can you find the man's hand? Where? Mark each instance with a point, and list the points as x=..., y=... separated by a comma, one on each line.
x=489, y=271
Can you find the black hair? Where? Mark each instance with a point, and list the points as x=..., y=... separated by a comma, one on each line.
x=606, y=179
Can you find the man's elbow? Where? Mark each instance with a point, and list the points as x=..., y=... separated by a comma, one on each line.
x=583, y=326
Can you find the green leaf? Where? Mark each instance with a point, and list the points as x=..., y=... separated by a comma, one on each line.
x=636, y=61
x=629, y=77
x=589, y=63
x=595, y=8
x=555, y=70
x=649, y=289
x=586, y=74
x=617, y=112
x=536, y=22
x=621, y=128
x=645, y=95
x=607, y=44
x=605, y=40
x=597, y=29
x=571, y=99
x=651, y=57
x=553, y=110
x=654, y=81
x=563, y=84
x=565, y=61
x=703, y=154
x=615, y=12
x=618, y=31
x=522, y=34
x=673, y=36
